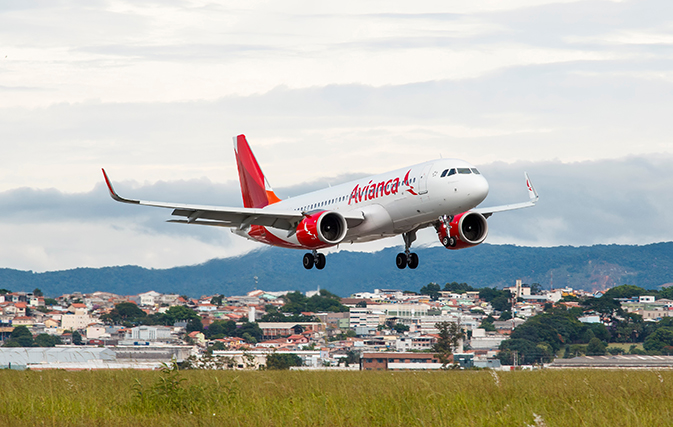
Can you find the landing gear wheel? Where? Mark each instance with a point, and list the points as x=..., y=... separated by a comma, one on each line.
x=401, y=261
x=320, y=261
x=309, y=260
x=452, y=242
x=413, y=260
x=445, y=241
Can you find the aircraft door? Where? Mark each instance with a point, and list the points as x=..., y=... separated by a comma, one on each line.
x=423, y=180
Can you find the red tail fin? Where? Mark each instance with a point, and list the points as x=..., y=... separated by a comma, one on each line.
x=255, y=189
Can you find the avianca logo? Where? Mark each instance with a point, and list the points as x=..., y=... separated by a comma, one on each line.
x=374, y=190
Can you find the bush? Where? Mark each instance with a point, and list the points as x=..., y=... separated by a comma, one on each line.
x=615, y=350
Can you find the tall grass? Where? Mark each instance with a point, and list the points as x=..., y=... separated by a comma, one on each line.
x=214, y=398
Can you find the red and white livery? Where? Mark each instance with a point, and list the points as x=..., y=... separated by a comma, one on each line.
x=441, y=193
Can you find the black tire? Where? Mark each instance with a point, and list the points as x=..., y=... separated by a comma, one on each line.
x=309, y=260
x=401, y=261
x=445, y=241
x=413, y=260
x=320, y=262
x=452, y=242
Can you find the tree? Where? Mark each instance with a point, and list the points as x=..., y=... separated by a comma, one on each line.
x=249, y=338
x=662, y=337
x=458, y=288
x=20, y=337
x=4, y=291
x=50, y=301
x=400, y=327
x=505, y=315
x=625, y=291
x=77, y=338
x=252, y=329
x=431, y=290
x=46, y=340
x=450, y=335
x=124, y=312
x=194, y=325
x=595, y=347
x=221, y=329
x=277, y=361
x=216, y=300
x=488, y=326
x=535, y=289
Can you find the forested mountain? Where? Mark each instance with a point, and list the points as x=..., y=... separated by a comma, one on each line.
x=593, y=267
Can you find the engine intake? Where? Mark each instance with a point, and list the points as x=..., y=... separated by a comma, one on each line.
x=322, y=229
x=465, y=230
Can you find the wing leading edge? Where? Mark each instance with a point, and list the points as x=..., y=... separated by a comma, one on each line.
x=241, y=218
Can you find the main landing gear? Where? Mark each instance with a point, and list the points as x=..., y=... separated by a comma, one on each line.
x=407, y=257
x=314, y=258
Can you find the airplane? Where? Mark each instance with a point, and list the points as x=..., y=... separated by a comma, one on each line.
x=440, y=193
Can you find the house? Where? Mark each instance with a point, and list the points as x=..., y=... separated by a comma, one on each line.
x=23, y=321
x=51, y=324
x=198, y=338
x=297, y=339
x=271, y=330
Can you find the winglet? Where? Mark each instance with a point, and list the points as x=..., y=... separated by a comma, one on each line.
x=114, y=194
x=532, y=194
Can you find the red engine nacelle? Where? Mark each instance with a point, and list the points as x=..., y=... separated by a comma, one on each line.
x=465, y=230
x=322, y=229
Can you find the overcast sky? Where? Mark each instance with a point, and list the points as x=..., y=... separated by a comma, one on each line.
x=577, y=93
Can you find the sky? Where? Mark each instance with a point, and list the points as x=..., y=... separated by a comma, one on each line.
x=576, y=93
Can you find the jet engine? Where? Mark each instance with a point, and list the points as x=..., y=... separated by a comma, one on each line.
x=462, y=231
x=322, y=229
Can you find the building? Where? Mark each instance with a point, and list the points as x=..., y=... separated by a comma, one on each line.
x=384, y=361
x=419, y=343
x=273, y=330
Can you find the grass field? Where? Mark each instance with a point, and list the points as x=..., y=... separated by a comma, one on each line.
x=275, y=398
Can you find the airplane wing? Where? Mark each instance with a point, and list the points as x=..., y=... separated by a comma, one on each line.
x=240, y=218
x=532, y=194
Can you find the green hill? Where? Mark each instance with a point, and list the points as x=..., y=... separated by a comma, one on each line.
x=593, y=267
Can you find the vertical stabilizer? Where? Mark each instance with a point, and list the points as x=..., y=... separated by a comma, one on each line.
x=255, y=189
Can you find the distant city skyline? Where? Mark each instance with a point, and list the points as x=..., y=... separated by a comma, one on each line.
x=575, y=93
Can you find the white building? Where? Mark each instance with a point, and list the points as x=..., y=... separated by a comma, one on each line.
x=149, y=333
x=148, y=298
x=79, y=320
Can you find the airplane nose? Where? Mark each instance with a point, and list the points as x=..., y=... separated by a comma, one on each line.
x=479, y=190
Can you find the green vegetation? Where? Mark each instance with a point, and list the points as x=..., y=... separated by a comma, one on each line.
x=486, y=265
x=282, y=361
x=542, y=337
x=21, y=337
x=288, y=398
x=324, y=301
x=450, y=335
x=431, y=290
x=129, y=314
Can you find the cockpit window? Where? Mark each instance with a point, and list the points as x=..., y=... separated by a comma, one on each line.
x=452, y=172
x=474, y=170
x=464, y=171
x=444, y=173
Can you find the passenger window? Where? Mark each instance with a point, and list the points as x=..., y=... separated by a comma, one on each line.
x=444, y=173
x=452, y=172
x=474, y=170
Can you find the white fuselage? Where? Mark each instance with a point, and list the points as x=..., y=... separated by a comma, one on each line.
x=394, y=202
